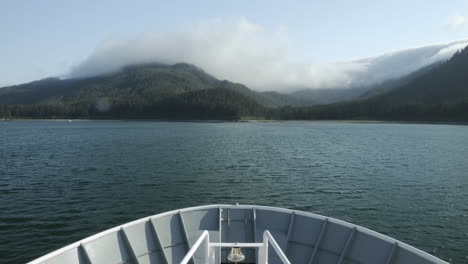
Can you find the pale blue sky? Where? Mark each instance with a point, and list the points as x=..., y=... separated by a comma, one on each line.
x=48, y=37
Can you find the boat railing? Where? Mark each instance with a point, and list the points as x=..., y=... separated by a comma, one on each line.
x=208, y=258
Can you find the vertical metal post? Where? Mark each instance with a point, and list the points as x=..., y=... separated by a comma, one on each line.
x=207, y=250
x=261, y=256
x=254, y=224
x=220, y=221
x=263, y=251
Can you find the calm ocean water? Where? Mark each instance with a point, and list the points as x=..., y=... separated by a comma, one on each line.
x=61, y=181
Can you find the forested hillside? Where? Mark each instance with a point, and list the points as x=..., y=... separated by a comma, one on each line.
x=438, y=93
x=143, y=91
x=183, y=91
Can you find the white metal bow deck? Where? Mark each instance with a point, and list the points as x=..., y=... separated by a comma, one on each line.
x=205, y=235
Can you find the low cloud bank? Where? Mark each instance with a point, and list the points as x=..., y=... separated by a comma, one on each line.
x=241, y=51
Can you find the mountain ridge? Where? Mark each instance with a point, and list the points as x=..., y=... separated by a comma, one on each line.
x=185, y=91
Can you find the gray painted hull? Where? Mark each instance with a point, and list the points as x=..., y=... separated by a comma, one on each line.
x=303, y=237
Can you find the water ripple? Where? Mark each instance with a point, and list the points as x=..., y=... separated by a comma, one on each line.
x=60, y=182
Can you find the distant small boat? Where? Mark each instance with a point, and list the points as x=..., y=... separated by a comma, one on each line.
x=238, y=233
x=69, y=120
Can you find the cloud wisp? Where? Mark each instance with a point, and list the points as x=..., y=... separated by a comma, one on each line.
x=241, y=51
x=457, y=21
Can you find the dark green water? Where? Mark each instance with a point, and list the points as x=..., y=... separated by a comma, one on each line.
x=60, y=181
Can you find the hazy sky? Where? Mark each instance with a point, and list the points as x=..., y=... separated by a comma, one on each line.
x=62, y=38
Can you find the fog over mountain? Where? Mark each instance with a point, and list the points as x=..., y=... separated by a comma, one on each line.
x=244, y=52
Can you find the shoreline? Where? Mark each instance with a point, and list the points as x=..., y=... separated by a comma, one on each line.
x=242, y=121
x=362, y=122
